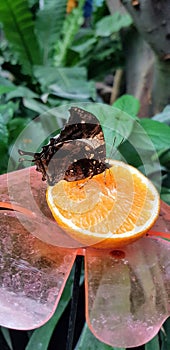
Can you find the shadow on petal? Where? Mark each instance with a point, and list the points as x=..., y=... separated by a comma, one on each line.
x=128, y=292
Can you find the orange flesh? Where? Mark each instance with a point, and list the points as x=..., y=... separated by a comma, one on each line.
x=110, y=204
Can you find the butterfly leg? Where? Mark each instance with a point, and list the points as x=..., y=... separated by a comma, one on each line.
x=85, y=183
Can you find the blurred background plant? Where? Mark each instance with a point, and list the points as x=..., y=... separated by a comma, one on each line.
x=49, y=57
x=53, y=52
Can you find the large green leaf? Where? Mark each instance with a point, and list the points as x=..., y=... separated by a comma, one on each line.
x=153, y=344
x=34, y=105
x=112, y=24
x=141, y=147
x=49, y=24
x=19, y=30
x=21, y=91
x=69, y=83
x=79, y=90
x=5, y=89
x=159, y=133
x=128, y=104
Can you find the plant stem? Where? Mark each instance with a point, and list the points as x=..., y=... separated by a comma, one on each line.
x=74, y=303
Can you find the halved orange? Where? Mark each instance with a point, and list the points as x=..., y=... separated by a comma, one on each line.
x=110, y=210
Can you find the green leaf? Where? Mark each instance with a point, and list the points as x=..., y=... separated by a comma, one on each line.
x=5, y=81
x=131, y=155
x=4, y=89
x=84, y=42
x=165, y=194
x=41, y=337
x=70, y=83
x=6, y=335
x=140, y=151
x=77, y=90
x=153, y=344
x=4, y=162
x=49, y=75
x=158, y=132
x=112, y=24
x=49, y=24
x=15, y=127
x=166, y=327
x=164, y=156
x=106, y=55
x=19, y=30
x=35, y=105
x=3, y=135
x=3, y=144
x=7, y=110
x=165, y=335
x=128, y=104
x=88, y=341
x=21, y=91
x=166, y=198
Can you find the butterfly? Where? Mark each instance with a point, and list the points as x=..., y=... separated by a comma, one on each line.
x=78, y=152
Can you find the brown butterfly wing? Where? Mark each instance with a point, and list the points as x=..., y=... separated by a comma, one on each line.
x=82, y=125
x=72, y=162
x=76, y=153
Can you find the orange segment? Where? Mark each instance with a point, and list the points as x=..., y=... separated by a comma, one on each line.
x=110, y=210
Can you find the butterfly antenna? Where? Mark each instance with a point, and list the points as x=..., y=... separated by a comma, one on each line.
x=116, y=149
x=112, y=147
x=26, y=153
x=121, y=142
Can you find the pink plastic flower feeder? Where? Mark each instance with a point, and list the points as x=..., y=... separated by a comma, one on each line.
x=127, y=291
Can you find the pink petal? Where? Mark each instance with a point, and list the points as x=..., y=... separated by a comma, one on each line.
x=32, y=275
x=24, y=192
x=162, y=225
x=128, y=292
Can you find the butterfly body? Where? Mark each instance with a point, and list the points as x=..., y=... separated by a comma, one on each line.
x=78, y=152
